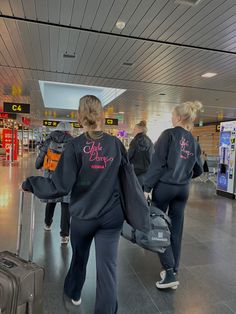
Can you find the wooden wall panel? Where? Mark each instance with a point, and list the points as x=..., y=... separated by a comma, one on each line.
x=208, y=139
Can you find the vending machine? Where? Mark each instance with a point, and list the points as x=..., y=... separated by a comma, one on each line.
x=226, y=179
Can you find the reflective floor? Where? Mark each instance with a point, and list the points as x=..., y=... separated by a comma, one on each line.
x=208, y=268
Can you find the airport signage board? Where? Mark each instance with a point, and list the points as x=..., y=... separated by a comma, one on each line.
x=16, y=107
x=110, y=121
x=51, y=123
x=76, y=125
x=54, y=124
x=6, y=115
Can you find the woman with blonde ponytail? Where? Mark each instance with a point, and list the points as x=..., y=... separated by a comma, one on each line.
x=177, y=159
x=89, y=168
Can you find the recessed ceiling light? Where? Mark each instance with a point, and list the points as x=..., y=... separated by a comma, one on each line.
x=120, y=25
x=209, y=74
x=122, y=112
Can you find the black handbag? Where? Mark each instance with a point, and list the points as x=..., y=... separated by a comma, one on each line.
x=157, y=239
x=135, y=206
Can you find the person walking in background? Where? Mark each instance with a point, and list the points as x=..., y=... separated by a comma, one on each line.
x=56, y=143
x=140, y=151
x=204, y=161
x=89, y=168
x=177, y=159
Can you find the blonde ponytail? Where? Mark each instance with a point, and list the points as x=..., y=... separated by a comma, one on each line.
x=90, y=113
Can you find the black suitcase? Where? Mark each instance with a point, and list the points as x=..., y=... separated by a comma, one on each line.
x=21, y=281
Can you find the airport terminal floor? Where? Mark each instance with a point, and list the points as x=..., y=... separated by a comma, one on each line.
x=208, y=270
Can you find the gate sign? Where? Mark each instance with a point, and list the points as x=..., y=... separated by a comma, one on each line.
x=110, y=121
x=51, y=123
x=16, y=107
x=76, y=125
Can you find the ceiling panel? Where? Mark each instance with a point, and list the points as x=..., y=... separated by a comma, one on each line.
x=34, y=51
x=17, y=8
x=26, y=43
x=54, y=34
x=5, y=52
x=149, y=17
x=206, y=13
x=14, y=34
x=29, y=8
x=90, y=13
x=202, y=26
x=78, y=12
x=45, y=45
x=9, y=43
x=54, y=11
x=66, y=10
x=100, y=43
x=61, y=49
x=114, y=13
x=42, y=10
x=5, y=7
x=102, y=13
x=88, y=49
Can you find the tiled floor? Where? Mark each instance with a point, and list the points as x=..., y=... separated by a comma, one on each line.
x=208, y=267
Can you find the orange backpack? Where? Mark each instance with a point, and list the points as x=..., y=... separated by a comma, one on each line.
x=53, y=156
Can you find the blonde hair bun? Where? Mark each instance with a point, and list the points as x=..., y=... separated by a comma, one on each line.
x=196, y=106
x=143, y=123
x=188, y=112
x=142, y=126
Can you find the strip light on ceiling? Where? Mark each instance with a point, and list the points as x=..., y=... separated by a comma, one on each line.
x=209, y=74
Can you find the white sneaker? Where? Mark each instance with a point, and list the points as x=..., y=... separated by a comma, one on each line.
x=65, y=240
x=47, y=228
x=76, y=302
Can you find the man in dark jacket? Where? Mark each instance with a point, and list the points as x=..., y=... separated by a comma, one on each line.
x=56, y=141
x=140, y=151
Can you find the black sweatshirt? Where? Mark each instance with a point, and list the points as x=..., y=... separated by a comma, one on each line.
x=89, y=169
x=177, y=159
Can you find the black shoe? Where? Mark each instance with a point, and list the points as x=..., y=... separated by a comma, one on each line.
x=168, y=281
x=71, y=307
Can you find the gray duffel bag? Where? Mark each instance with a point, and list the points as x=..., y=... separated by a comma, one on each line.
x=155, y=240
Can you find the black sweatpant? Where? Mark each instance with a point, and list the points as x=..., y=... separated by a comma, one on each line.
x=65, y=217
x=172, y=199
x=105, y=231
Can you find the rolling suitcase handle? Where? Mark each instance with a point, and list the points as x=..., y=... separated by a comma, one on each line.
x=32, y=225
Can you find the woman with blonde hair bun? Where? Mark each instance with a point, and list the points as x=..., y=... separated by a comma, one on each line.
x=177, y=159
x=89, y=168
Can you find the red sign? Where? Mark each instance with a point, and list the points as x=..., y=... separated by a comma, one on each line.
x=3, y=115
x=7, y=142
x=25, y=120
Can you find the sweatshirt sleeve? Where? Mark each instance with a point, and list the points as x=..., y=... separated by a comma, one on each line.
x=62, y=179
x=198, y=168
x=131, y=149
x=158, y=162
x=40, y=158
